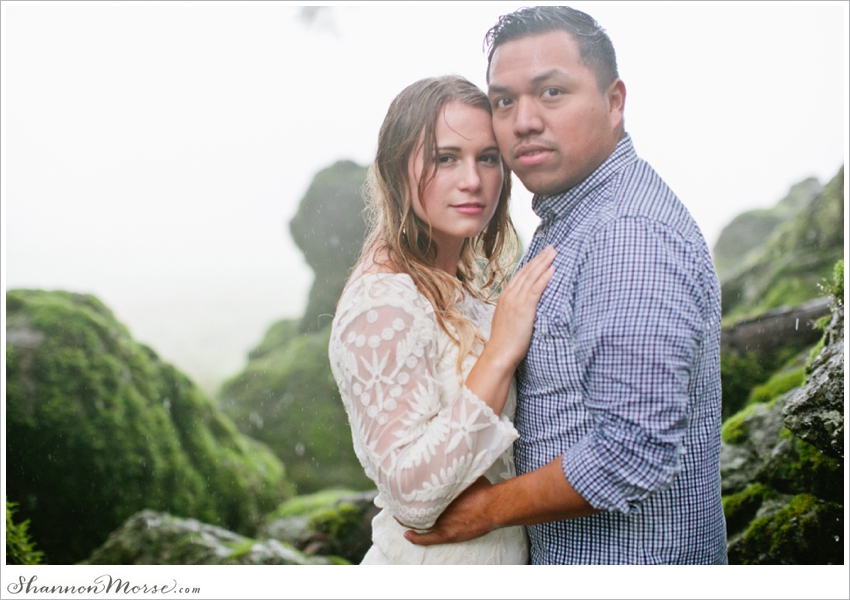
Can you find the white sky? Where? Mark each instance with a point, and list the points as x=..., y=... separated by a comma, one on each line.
x=154, y=153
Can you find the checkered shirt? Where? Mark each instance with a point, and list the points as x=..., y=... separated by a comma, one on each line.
x=623, y=374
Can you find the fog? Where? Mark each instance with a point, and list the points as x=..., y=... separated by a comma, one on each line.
x=153, y=154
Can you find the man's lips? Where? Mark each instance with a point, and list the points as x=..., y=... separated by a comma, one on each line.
x=531, y=154
x=469, y=208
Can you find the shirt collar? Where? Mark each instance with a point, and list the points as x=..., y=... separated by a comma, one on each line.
x=559, y=205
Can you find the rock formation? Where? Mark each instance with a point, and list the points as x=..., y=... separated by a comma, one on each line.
x=782, y=464
x=155, y=538
x=785, y=269
x=287, y=398
x=750, y=230
x=98, y=428
x=815, y=413
x=331, y=522
x=329, y=228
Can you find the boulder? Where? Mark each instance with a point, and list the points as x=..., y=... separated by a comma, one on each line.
x=815, y=413
x=329, y=228
x=782, y=463
x=287, y=398
x=802, y=530
x=331, y=522
x=785, y=269
x=99, y=427
x=156, y=538
x=749, y=230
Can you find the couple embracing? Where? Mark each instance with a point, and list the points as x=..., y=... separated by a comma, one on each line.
x=569, y=413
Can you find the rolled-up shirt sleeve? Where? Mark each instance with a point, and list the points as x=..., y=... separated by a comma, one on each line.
x=638, y=322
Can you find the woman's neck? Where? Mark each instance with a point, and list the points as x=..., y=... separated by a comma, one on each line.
x=448, y=256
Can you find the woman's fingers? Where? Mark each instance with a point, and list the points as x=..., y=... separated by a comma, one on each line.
x=530, y=275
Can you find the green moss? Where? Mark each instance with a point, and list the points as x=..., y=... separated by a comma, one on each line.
x=804, y=469
x=289, y=400
x=241, y=548
x=733, y=430
x=740, y=508
x=338, y=521
x=308, y=504
x=806, y=531
x=277, y=336
x=777, y=385
x=738, y=375
x=786, y=267
x=98, y=427
x=20, y=549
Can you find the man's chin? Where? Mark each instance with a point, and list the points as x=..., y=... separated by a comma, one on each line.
x=541, y=186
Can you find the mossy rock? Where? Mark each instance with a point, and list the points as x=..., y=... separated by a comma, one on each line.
x=288, y=399
x=98, y=428
x=786, y=268
x=329, y=228
x=805, y=531
x=330, y=522
x=749, y=230
x=155, y=538
x=779, y=383
x=795, y=467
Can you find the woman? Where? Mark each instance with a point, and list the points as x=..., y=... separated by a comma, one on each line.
x=423, y=360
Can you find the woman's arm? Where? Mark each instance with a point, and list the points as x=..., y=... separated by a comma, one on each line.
x=420, y=453
x=510, y=335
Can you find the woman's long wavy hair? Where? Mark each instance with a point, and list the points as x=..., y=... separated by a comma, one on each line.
x=401, y=242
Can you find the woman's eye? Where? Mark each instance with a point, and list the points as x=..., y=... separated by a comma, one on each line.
x=492, y=159
x=445, y=159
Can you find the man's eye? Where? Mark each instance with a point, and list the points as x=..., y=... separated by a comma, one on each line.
x=551, y=92
x=501, y=103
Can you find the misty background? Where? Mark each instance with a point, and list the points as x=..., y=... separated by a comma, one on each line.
x=154, y=154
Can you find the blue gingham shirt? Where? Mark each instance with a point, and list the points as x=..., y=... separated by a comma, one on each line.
x=623, y=374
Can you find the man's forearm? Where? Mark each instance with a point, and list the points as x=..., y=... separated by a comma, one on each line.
x=537, y=497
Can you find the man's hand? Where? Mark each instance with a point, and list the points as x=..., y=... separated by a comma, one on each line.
x=465, y=519
x=536, y=497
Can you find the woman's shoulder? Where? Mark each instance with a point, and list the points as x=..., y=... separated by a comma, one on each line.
x=381, y=285
x=379, y=291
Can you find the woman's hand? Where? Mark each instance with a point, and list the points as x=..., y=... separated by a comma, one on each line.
x=513, y=321
x=510, y=333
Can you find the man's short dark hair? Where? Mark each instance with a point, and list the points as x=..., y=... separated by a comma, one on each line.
x=595, y=47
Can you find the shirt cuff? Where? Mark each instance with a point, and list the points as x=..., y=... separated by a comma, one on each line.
x=619, y=476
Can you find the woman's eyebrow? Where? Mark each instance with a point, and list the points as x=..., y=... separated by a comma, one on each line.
x=457, y=149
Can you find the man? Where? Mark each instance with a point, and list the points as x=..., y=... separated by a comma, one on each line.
x=619, y=395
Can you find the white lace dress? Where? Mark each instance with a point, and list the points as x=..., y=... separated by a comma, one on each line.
x=421, y=436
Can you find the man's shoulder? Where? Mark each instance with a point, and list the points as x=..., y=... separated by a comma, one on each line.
x=639, y=192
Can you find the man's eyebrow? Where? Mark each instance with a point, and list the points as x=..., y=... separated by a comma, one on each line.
x=549, y=75
x=536, y=80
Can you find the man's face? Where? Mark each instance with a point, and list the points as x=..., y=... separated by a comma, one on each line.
x=553, y=124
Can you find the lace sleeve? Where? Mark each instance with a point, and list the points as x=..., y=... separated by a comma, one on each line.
x=420, y=452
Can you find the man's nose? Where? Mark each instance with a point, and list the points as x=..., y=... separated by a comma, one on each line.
x=527, y=120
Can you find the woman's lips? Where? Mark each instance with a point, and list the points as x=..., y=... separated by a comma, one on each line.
x=471, y=208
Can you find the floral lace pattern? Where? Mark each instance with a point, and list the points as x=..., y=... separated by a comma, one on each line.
x=420, y=434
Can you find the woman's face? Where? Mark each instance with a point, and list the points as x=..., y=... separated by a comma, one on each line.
x=463, y=194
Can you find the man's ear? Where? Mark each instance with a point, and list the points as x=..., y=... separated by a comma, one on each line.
x=616, y=96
